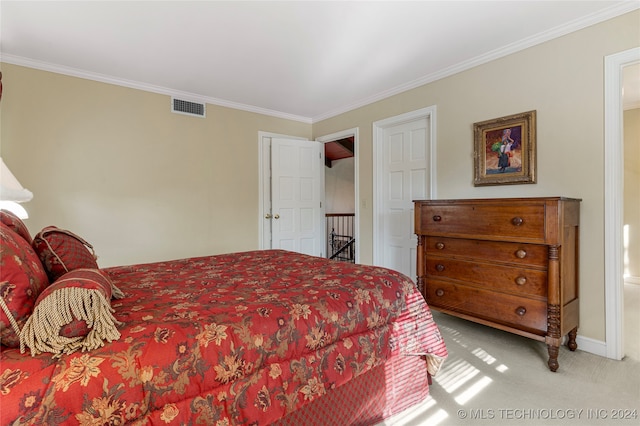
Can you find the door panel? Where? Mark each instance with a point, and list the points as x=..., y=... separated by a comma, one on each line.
x=297, y=215
x=405, y=177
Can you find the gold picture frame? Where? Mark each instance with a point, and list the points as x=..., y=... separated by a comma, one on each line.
x=505, y=150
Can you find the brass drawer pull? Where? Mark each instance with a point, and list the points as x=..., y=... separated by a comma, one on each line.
x=439, y=267
x=437, y=218
x=521, y=280
x=521, y=254
x=440, y=246
x=517, y=221
x=439, y=292
x=521, y=310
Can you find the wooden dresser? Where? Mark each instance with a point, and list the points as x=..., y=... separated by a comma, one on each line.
x=509, y=263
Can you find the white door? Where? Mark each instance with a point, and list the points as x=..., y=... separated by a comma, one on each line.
x=403, y=175
x=296, y=196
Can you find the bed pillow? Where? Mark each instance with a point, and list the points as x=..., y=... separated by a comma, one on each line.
x=62, y=251
x=22, y=279
x=15, y=224
x=73, y=313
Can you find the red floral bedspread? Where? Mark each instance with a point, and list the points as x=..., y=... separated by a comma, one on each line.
x=239, y=338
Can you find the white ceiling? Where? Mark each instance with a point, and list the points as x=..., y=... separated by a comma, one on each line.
x=303, y=60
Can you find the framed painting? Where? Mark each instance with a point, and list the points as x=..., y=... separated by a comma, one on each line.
x=505, y=150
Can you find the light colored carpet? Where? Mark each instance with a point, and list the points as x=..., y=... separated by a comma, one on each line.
x=493, y=376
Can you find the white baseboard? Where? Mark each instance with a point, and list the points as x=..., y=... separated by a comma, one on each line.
x=596, y=347
x=632, y=280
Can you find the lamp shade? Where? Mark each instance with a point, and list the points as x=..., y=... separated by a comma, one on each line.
x=10, y=188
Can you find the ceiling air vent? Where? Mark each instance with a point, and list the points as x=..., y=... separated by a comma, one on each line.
x=187, y=107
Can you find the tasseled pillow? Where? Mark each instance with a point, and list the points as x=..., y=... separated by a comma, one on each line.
x=74, y=313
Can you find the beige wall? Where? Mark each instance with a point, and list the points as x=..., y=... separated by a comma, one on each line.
x=563, y=80
x=339, y=190
x=632, y=191
x=142, y=184
x=117, y=167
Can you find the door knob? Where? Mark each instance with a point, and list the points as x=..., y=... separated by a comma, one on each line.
x=277, y=216
x=267, y=216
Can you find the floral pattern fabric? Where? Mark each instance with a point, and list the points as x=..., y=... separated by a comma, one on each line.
x=22, y=279
x=15, y=224
x=240, y=338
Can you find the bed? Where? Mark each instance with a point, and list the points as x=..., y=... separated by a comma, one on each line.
x=257, y=337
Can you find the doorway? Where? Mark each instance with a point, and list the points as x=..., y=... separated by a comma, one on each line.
x=614, y=201
x=341, y=193
x=265, y=193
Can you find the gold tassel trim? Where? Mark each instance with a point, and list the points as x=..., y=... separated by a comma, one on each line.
x=116, y=293
x=40, y=332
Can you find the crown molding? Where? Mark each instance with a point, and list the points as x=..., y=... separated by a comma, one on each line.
x=595, y=18
x=603, y=15
x=87, y=75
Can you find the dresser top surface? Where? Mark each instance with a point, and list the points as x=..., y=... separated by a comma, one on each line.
x=498, y=200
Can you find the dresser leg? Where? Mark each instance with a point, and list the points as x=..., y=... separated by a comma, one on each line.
x=553, y=357
x=553, y=338
x=571, y=344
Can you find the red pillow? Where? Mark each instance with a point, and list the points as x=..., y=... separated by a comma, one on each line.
x=16, y=224
x=72, y=313
x=22, y=279
x=62, y=251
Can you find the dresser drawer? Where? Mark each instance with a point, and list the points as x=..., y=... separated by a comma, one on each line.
x=520, y=312
x=500, y=222
x=489, y=276
x=492, y=251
